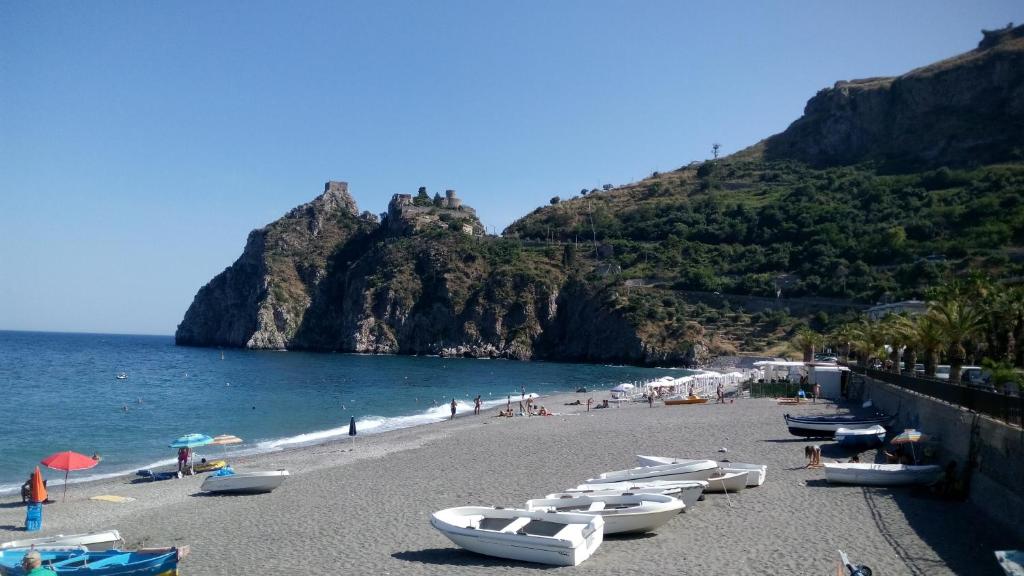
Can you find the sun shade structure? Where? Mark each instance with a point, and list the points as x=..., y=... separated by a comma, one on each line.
x=68, y=461
x=37, y=490
x=910, y=436
x=226, y=440
x=191, y=441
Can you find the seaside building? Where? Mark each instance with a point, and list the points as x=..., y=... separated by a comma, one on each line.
x=912, y=307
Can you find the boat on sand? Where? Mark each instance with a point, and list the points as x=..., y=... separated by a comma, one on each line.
x=861, y=438
x=696, y=470
x=113, y=562
x=557, y=538
x=683, y=400
x=254, y=482
x=826, y=426
x=727, y=482
x=881, y=474
x=756, y=473
x=100, y=540
x=622, y=514
x=689, y=491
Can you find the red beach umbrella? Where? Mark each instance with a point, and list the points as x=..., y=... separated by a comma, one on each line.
x=68, y=461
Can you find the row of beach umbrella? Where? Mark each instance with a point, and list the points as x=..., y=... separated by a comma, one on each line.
x=69, y=461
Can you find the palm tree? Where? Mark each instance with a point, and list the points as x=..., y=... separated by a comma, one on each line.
x=841, y=337
x=958, y=318
x=896, y=329
x=806, y=341
x=868, y=340
x=926, y=338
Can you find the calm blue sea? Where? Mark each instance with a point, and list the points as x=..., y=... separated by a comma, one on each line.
x=62, y=394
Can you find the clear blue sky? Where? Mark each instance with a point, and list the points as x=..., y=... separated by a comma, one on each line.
x=141, y=141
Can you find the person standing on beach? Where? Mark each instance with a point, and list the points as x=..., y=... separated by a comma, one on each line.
x=453, y=409
x=522, y=391
x=182, y=460
x=720, y=393
x=476, y=405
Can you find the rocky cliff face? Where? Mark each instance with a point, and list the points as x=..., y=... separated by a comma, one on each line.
x=260, y=301
x=321, y=278
x=965, y=110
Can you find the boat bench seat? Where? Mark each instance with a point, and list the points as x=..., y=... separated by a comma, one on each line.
x=111, y=561
x=67, y=561
x=516, y=524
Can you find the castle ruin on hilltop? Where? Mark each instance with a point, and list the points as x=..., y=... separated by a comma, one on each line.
x=409, y=213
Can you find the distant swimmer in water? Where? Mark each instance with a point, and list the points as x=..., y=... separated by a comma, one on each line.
x=254, y=407
x=125, y=407
x=140, y=400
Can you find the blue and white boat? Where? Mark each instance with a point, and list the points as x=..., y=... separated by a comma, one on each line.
x=113, y=562
x=861, y=438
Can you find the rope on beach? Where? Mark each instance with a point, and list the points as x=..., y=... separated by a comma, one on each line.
x=898, y=548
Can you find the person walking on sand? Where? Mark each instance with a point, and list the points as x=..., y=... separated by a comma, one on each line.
x=453, y=408
x=476, y=405
x=720, y=393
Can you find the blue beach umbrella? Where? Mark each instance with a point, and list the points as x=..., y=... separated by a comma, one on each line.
x=191, y=441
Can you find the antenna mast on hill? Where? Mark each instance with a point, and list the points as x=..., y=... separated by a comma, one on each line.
x=593, y=229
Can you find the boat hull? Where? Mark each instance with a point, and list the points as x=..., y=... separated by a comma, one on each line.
x=93, y=541
x=113, y=562
x=860, y=439
x=826, y=426
x=688, y=491
x=728, y=482
x=643, y=512
x=245, y=482
x=756, y=473
x=684, y=401
x=882, y=474
x=699, y=470
x=508, y=543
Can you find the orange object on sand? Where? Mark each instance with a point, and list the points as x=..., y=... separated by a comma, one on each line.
x=37, y=490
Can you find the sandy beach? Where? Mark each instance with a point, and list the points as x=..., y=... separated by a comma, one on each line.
x=368, y=509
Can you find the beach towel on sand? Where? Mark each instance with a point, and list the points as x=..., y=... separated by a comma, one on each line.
x=112, y=498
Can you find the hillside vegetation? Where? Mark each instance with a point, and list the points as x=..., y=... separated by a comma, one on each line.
x=882, y=189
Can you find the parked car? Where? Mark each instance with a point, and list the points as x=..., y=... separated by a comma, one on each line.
x=977, y=377
x=942, y=371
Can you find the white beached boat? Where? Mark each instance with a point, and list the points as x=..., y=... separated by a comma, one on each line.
x=861, y=438
x=623, y=514
x=244, y=482
x=558, y=538
x=102, y=540
x=756, y=473
x=689, y=491
x=727, y=482
x=695, y=470
x=881, y=474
